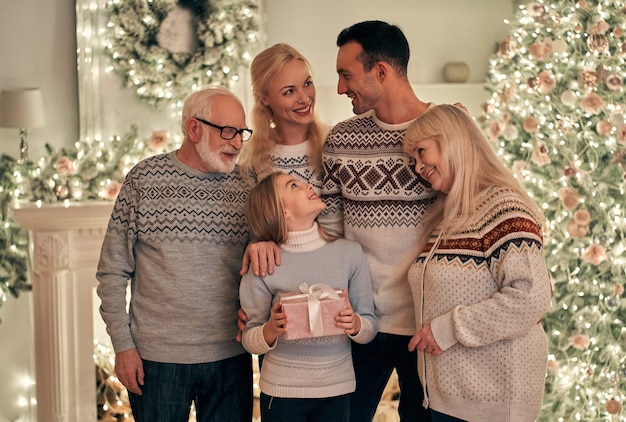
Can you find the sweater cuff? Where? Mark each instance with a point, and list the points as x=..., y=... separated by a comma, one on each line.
x=443, y=333
x=361, y=334
x=254, y=341
x=262, y=340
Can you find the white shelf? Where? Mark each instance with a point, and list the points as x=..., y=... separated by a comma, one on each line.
x=333, y=108
x=471, y=94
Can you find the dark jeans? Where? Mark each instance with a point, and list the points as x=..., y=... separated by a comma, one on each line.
x=330, y=409
x=440, y=417
x=373, y=365
x=221, y=391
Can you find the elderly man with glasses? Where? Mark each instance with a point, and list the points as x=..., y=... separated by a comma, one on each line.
x=177, y=233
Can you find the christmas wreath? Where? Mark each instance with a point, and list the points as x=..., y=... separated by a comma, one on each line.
x=165, y=49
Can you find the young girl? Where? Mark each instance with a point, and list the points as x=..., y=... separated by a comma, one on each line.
x=305, y=379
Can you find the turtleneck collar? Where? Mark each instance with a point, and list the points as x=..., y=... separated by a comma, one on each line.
x=304, y=241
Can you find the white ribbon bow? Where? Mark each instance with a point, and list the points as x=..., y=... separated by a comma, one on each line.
x=314, y=294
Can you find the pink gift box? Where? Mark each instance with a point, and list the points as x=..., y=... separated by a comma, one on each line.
x=296, y=306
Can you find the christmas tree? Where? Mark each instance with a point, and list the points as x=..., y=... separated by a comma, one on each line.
x=556, y=115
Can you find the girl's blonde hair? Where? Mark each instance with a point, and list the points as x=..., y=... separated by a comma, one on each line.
x=255, y=154
x=472, y=163
x=265, y=214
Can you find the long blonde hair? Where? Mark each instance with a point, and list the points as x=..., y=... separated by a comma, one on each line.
x=265, y=214
x=471, y=161
x=255, y=154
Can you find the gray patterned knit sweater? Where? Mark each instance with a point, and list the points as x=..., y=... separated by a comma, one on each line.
x=313, y=367
x=484, y=292
x=374, y=197
x=178, y=234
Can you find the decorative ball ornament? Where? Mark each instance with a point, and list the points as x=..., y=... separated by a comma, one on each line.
x=559, y=46
x=455, y=72
x=612, y=302
x=569, y=98
x=510, y=133
x=612, y=406
x=62, y=191
x=166, y=49
x=597, y=42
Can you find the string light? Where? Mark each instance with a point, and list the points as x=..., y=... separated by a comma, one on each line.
x=165, y=68
x=580, y=45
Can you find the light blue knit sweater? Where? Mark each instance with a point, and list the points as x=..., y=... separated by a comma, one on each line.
x=314, y=367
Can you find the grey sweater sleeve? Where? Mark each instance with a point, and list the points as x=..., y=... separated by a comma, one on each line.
x=116, y=267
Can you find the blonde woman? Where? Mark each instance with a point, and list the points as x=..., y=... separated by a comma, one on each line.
x=480, y=283
x=288, y=135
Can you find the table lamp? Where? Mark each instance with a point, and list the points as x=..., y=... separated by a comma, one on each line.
x=22, y=108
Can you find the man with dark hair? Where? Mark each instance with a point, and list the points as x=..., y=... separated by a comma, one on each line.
x=381, y=42
x=375, y=198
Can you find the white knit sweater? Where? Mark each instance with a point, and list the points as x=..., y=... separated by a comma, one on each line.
x=374, y=197
x=484, y=292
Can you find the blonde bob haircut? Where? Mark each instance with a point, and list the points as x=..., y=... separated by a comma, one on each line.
x=265, y=213
x=255, y=154
x=470, y=163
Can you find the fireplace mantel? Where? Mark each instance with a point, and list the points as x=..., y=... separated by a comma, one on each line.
x=65, y=245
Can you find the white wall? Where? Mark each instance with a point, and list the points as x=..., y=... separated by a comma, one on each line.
x=458, y=30
x=438, y=32
x=38, y=48
x=16, y=359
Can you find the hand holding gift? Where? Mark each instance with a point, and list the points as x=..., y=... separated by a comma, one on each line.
x=348, y=319
x=275, y=326
x=313, y=312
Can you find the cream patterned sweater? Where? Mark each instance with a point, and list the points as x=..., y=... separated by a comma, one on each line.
x=375, y=198
x=484, y=292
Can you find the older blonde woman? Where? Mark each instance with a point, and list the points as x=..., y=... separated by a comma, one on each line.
x=480, y=283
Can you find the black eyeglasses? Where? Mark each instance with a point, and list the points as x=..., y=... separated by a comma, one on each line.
x=228, y=132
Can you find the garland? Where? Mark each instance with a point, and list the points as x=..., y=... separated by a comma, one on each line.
x=14, y=257
x=165, y=49
x=89, y=171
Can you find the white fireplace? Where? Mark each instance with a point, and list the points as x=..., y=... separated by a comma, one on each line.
x=66, y=242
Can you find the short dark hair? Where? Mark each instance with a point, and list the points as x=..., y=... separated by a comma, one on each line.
x=381, y=42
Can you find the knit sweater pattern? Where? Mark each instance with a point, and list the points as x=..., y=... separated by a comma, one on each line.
x=293, y=160
x=315, y=367
x=484, y=292
x=374, y=197
x=178, y=234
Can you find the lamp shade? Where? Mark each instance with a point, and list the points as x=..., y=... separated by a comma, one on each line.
x=21, y=108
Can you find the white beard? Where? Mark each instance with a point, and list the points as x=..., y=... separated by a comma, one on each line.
x=211, y=159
